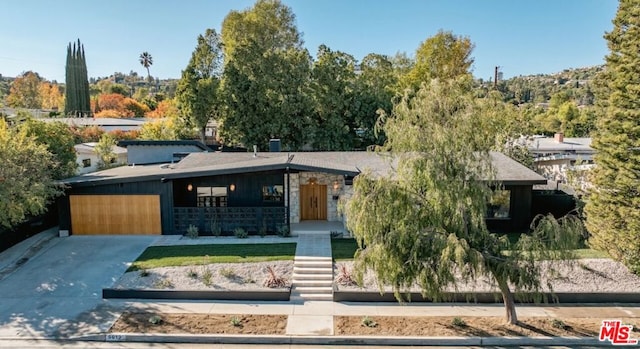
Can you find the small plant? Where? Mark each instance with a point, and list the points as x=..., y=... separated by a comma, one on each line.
x=155, y=319
x=163, y=283
x=236, y=321
x=458, y=322
x=216, y=229
x=559, y=324
x=345, y=278
x=192, y=232
x=207, y=277
x=273, y=280
x=229, y=273
x=240, y=233
x=192, y=273
x=283, y=231
x=368, y=322
x=144, y=273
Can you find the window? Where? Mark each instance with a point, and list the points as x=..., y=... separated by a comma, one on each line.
x=499, y=205
x=86, y=162
x=272, y=193
x=212, y=196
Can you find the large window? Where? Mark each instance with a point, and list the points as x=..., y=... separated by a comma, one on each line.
x=212, y=196
x=272, y=193
x=500, y=204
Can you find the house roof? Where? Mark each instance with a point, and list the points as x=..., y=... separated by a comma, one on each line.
x=98, y=121
x=550, y=145
x=163, y=143
x=509, y=172
x=90, y=148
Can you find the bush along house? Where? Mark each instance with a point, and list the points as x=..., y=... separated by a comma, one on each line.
x=259, y=192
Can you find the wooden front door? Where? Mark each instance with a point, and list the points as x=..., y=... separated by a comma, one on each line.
x=313, y=202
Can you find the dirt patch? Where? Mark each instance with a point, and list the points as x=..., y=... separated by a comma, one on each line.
x=200, y=323
x=471, y=327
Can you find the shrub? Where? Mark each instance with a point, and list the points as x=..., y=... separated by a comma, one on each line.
x=207, y=276
x=345, y=278
x=144, y=273
x=192, y=273
x=192, y=232
x=559, y=324
x=458, y=322
x=283, y=231
x=274, y=280
x=240, y=233
x=155, y=319
x=216, y=229
x=368, y=322
x=236, y=322
x=229, y=273
x=163, y=283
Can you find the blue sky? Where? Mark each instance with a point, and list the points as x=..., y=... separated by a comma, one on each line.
x=522, y=37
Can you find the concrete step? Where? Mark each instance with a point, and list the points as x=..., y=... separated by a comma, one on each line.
x=312, y=270
x=312, y=283
x=310, y=276
x=311, y=297
x=311, y=258
x=303, y=290
x=312, y=264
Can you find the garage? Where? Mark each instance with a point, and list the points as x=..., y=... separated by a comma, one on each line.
x=115, y=214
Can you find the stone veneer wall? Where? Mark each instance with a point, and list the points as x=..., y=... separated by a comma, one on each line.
x=327, y=179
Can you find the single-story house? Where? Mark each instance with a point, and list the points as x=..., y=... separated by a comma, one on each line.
x=250, y=190
x=555, y=157
x=107, y=124
x=87, y=158
x=156, y=152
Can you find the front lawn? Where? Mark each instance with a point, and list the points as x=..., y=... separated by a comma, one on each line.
x=343, y=249
x=167, y=256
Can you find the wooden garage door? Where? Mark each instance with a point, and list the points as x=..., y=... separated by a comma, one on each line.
x=115, y=214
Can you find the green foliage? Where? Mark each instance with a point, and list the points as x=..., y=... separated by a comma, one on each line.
x=155, y=320
x=368, y=322
x=266, y=77
x=26, y=181
x=146, y=61
x=216, y=229
x=458, y=322
x=240, y=233
x=283, y=231
x=443, y=56
x=236, y=321
x=166, y=256
x=427, y=221
x=559, y=324
x=192, y=232
x=197, y=93
x=613, y=205
x=207, y=276
x=77, y=98
x=104, y=150
x=59, y=140
x=228, y=273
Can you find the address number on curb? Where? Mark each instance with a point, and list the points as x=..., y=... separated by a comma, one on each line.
x=115, y=337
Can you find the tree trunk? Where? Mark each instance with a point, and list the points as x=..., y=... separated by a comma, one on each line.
x=509, y=301
x=203, y=131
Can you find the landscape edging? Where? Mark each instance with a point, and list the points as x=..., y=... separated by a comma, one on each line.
x=489, y=297
x=249, y=295
x=344, y=340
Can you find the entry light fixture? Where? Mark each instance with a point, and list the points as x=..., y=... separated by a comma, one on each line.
x=336, y=190
x=189, y=187
x=232, y=187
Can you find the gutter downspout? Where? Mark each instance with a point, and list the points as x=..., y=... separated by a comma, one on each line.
x=288, y=199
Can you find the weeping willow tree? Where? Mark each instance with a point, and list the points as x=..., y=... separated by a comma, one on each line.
x=425, y=223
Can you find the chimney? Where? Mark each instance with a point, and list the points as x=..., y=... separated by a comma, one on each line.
x=274, y=145
x=559, y=137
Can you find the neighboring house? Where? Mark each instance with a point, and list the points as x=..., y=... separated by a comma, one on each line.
x=155, y=152
x=88, y=159
x=556, y=157
x=107, y=124
x=250, y=190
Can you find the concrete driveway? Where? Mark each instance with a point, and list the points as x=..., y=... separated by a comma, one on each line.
x=57, y=293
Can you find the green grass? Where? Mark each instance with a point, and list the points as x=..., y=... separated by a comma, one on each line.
x=166, y=256
x=590, y=253
x=343, y=249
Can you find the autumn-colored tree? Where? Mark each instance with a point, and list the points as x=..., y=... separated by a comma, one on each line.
x=51, y=96
x=120, y=135
x=25, y=91
x=164, y=109
x=113, y=101
x=86, y=134
x=133, y=108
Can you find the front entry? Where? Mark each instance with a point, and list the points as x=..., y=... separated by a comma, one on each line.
x=313, y=202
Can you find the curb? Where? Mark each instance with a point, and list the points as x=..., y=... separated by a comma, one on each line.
x=343, y=340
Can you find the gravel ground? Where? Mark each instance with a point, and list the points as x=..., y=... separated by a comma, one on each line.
x=228, y=276
x=586, y=275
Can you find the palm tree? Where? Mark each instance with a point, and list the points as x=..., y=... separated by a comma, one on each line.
x=146, y=60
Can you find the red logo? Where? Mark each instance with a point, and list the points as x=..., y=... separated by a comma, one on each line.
x=616, y=333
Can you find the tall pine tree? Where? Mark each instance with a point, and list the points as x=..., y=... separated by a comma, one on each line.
x=77, y=101
x=613, y=207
